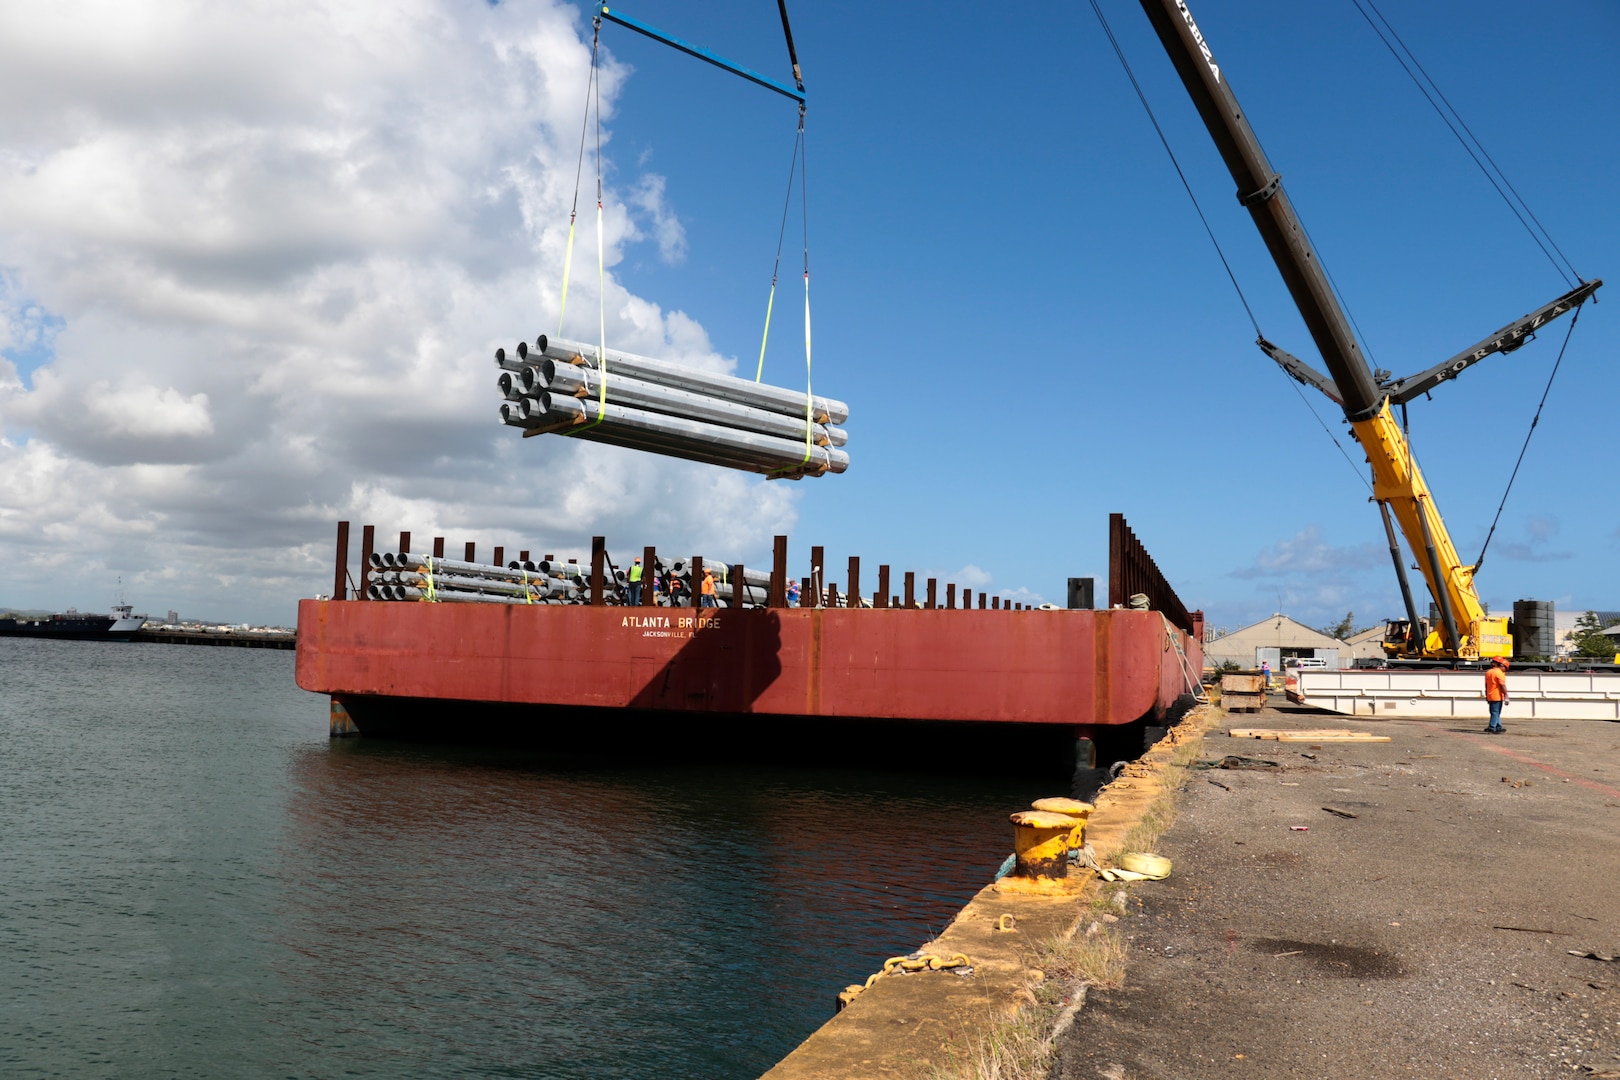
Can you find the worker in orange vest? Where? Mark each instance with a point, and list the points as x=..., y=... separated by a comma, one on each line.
x=1496, y=693
x=708, y=589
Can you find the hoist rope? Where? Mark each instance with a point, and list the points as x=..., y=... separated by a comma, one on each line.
x=781, y=235
x=1573, y=319
x=1469, y=149
x=579, y=172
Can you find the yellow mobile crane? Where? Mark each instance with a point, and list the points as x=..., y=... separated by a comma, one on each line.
x=1465, y=630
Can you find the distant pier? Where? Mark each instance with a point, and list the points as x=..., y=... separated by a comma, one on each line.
x=241, y=639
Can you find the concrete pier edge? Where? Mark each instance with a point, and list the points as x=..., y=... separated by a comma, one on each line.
x=916, y=1025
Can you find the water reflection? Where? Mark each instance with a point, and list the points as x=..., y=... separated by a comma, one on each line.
x=450, y=908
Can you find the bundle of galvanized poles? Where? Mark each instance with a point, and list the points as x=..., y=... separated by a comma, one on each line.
x=405, y=576
x=621, y=399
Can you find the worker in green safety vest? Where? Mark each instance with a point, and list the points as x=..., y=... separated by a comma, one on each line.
x=635, y=583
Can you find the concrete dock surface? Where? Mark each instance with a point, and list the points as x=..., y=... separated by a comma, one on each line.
x=1429, y=934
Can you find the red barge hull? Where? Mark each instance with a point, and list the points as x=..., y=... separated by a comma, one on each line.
x=563, y=674
x=1084, y=669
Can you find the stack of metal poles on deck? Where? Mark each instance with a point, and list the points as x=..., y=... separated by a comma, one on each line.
x=404, y=576
x=619, y=398
x=425, y=578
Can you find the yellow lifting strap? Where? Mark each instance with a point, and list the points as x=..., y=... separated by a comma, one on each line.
x=770, y=301
x=601, y=322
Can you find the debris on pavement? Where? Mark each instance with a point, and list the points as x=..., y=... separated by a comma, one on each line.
x=1234, y=761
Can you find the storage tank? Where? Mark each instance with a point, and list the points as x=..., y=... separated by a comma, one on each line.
x=1533, y=630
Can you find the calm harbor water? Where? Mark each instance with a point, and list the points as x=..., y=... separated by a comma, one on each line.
x=195, y=881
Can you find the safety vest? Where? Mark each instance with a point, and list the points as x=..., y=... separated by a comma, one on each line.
x=635, y=573
x=1495, y=685
x=708, y=585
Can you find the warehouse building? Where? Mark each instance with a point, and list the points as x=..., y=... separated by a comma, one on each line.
x=1272, y=641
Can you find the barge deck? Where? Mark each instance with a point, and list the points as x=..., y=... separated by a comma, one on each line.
x=1085, y=673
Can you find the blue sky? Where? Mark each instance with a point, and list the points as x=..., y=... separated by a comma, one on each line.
x=1013, y=292
x=238, y=305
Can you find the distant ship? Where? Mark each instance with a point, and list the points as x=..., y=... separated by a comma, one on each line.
x=72, y=625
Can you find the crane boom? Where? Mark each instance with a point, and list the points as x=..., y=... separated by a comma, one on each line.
x=1398, y=484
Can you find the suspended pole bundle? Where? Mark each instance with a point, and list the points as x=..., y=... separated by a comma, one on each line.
x=635, y=401
x=607, y=396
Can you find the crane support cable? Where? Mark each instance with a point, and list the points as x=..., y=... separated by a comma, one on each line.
x=1533, y=422
x=1220, y=253
x=1329, y=431
x=1469, y=148
x=1142, y=97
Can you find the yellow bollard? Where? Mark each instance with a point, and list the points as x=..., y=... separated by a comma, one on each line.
x=1041, y=843
x=1072, y=808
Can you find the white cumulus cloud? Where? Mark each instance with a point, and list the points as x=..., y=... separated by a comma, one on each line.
x=254, y=259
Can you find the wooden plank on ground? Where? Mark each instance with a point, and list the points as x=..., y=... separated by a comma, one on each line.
x=1351, y=737
x=1307, y=735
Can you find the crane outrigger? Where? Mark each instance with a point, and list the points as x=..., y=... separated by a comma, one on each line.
x=1466, y=630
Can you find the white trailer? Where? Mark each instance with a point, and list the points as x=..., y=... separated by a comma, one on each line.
x=1395, y=692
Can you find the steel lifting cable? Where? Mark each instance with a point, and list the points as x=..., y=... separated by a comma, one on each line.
x=1573, y=319
x=601, y=274
x=781, y=236
x=1424, y=90
x=804, y=214
x=593, y=97
x=579, y=169
x=802, y=156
